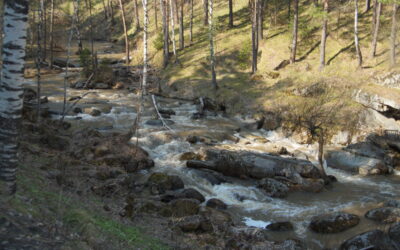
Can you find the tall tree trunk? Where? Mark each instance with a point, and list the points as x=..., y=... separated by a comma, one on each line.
x=211, y=36
x=376, y=23
x=205, y=7
x=136, y=14
x=230, y=13
x=145, y=25
x=260, y=20
x=289, y=9
x=181, y=27
x=393, y=35
x=254, y=34
x=155, y=14
x=191, y=22
x=51, y=33
x=78, y=32
x=121, y=6
x=15, y=24
x=39, y=58
x=356, y=40
x=89, y=4
x=367, y=5
x=171, y=6
x=324, y=34
x=44, y=31
x=111, y=12
x=295, y=31
x=164, y=7
x=321, y=160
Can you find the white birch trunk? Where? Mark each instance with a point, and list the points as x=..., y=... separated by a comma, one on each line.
x=13, y=54
x=145, y=26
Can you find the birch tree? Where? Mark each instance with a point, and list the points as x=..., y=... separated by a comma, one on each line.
x=145, y=25
x=15, y=24
x=211, y=38
x=171, y=7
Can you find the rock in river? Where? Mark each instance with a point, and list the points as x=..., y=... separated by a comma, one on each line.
x=384, y=214
x=333, y=223
x=273, y=187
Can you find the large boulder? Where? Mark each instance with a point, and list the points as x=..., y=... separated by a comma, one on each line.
x=356, y=163
x=333, y=223
x=189, y=193
x=273, y=187
x=375, y=239
x=280, y=226
x=254, y=165
x=195, y=223
x=184, y=207
x=217, y=204
x=159, y=183
x=384, y=214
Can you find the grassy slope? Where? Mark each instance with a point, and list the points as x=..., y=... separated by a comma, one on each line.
x=48, y=203
x=243, y=91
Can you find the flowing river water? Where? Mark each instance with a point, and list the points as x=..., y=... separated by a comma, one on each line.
x=248, y=204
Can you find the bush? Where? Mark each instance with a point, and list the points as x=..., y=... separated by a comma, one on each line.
x=244, y=55
x=104, y=72
x=158, y=43
x=85, y=59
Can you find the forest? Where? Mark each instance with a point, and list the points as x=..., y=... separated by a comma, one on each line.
x=200, y=124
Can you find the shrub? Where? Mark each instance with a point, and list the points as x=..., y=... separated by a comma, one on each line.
x=85, y=59
x=158, y=43
x=244, y=55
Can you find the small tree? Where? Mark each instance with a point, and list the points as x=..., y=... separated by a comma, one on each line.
x=321, y=114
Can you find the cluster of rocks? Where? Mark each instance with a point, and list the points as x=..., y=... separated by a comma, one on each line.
x=374, y=239
x=377, y=155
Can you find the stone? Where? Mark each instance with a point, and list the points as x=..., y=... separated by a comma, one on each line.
x=100, y=85
x=375, y=239
x=384, y=214
x=217, y=204
x=184, y=207
x=190, y=223
x=213, y=177
x=333, y=223
x=62, y=63
x=355, y=163
x=273, y=187
x=95, y=112
x=189, y=156
x=189, y=193
x=159, y=183
x=77, y=110
x=159, y=122
x=280, y=226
